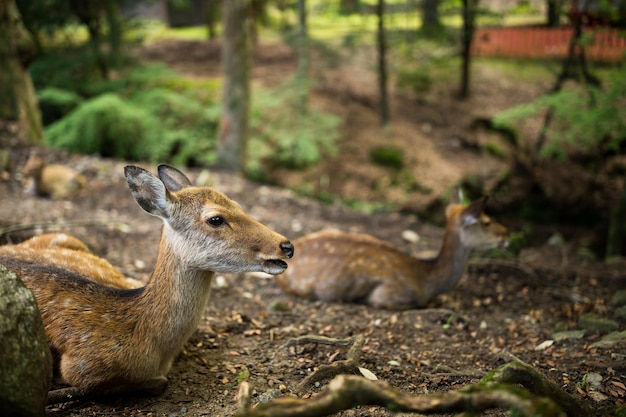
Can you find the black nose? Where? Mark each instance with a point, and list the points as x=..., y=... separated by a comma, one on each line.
x=287, y=248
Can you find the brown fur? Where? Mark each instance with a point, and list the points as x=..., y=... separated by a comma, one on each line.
x=54, y=180
x=351, y=267
x=110, y=338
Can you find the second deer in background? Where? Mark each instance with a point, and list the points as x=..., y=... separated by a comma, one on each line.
x=53, y=180
x=353, y=267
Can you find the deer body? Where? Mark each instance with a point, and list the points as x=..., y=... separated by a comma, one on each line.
x=54, y=180
x=353, y=267
x=110, y=338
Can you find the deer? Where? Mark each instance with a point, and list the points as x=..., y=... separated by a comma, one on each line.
x=337, y=266
x=53, y=180
x=70, y=254
x=108, y=338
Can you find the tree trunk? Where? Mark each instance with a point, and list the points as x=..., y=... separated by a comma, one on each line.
x=302, y=74
x=212, y=18
x=233, y=128
x=18, y=101
x=469, y=9
x=382, y=65
x=88, y=13
x=113, y=18
x=553, y=11
x=431, y=22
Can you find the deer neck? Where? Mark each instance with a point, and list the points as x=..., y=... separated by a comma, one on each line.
x=174, y=299
x=442, y=272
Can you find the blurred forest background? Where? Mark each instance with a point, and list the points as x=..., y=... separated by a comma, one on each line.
x=89, y=76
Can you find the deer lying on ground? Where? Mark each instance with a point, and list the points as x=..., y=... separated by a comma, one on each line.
x=70, y=254
x=53, y=180
x=108, y=338
x=353, y=267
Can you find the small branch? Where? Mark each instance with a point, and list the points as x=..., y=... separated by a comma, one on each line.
x=348, y=365
x=64, y=395
x=346, y=391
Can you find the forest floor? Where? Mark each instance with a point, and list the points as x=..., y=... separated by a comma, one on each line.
x=501, y=309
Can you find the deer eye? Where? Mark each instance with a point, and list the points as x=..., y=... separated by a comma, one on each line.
x=216, y=221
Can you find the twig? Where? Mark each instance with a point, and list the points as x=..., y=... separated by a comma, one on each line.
x=348, y=365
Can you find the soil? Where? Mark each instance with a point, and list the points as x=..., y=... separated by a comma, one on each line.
x=502, y=309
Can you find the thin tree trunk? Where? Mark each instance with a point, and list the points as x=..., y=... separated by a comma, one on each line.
x=553, y=13
x=574, y=67
x=382, y=65
x=302, y=75
x=233, y=128
x=88, y=12
x=431, y=21
x=469, y=7
x=113, y=18
x=18, y=101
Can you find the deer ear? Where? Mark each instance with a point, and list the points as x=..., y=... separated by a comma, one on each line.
x=148, y=191
x=471, y=213
x=173, y=179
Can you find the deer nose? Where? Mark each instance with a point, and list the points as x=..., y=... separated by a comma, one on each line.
x=287, y=248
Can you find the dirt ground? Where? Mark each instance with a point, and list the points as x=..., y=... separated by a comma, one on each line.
x=503, y=309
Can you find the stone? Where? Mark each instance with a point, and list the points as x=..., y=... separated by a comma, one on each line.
x=594, y=323
x=619, y=298
x=25, y=361
x=610, y=340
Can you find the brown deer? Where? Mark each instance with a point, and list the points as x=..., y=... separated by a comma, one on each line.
x=353, y=267
x=108, y=338
x=53, y=180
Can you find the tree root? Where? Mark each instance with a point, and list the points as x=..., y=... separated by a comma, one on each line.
x=525, y=375
x=346, y=366
x=500, y=388
x=347, y=391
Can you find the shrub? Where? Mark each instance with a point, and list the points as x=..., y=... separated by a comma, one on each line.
x=188, y=128
x=55, y=103
x=106, y=125
x=585, y=119
x=280, y=136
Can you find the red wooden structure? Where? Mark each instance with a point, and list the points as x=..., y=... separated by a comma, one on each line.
x=607, y=44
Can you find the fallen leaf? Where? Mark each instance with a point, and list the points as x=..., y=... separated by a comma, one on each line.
x=368, y=374
x=619, y=385
x=544, y=345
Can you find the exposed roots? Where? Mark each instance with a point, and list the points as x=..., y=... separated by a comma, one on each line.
x=500, y=389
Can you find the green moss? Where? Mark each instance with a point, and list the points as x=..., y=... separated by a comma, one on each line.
x=388, y=156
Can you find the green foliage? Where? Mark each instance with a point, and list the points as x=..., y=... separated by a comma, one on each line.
x=157, y=125
x=55, y=103
x=107, y=125
x=586, y=119
x=187, y=128
x=149, y=113
x=282, y=137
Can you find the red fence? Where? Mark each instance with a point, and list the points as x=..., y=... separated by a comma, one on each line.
x=534, y=42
